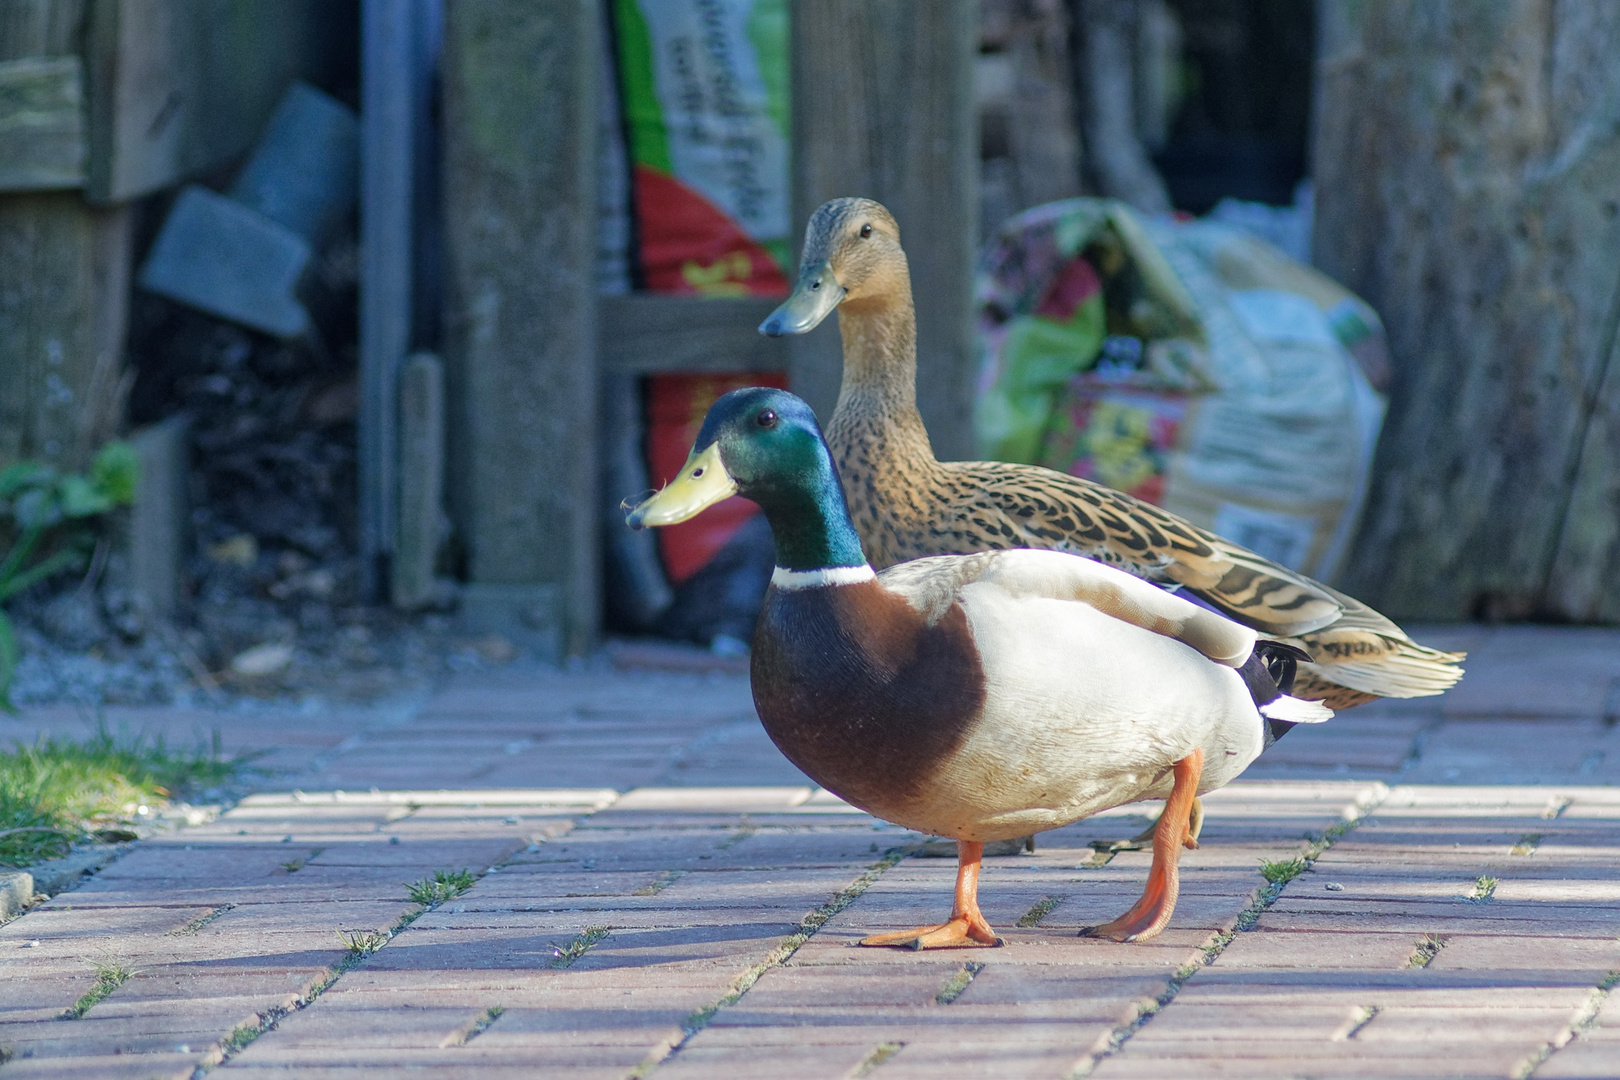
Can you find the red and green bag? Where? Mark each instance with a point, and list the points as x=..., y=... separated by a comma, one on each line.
x=705, y=92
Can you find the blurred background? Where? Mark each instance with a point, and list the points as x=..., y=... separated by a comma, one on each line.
x=333, y=334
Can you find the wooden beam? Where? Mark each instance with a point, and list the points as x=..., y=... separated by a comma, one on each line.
x=883, y=106
x=397, y=43
x=645, y=332
x=41, y=123
x=520, y=86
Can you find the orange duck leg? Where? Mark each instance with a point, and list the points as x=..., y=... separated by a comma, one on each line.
x=1152, y=912
x=965, y=927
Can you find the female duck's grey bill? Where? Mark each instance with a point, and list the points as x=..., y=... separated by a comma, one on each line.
x=813, y=299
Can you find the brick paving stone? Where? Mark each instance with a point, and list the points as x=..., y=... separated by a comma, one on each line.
x=1517, y=970
x=653, y=805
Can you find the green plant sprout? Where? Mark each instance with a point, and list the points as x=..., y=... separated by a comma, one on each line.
x=51, y=522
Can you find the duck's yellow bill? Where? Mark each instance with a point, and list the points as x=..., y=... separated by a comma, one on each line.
x=702, y=482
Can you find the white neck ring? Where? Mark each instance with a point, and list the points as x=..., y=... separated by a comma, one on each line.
x=784, y=578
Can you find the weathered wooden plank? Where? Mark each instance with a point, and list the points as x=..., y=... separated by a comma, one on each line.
x=883, y=106
x=1467, y=164
x=420, y=531
x=646, y=332
x=41, y=123
x=178, y=86
x=64, y=288
x=40, y=28
x=158, y=522
x=520, y=87
x=397, y=39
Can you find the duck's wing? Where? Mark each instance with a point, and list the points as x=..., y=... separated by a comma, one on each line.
x=932, y=585
x=1369, y=656
x=1000, y=504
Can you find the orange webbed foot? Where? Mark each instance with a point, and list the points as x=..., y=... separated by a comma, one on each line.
x=966, y=928
x=963, y=931
x=1178, y=827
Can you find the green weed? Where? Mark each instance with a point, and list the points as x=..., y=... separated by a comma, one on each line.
x=110, y=975
x=363, y=942
x=1283, y=871
x=1428, y=947
x=443, y=885
x=565, y=955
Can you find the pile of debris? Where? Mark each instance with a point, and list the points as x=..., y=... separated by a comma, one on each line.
x=275, y=607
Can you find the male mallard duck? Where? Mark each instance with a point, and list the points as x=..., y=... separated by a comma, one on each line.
x=981, y=697
x=908, y=505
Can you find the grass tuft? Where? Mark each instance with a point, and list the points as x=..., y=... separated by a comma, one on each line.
x=57, y=792
x=443, y=885
x=1282, y=871
x=1357, y=1022
x=110, y=975
x=1428, y=947
x=565, y=955
x=363, y=942
x=1484, y=889
x=1527, y=844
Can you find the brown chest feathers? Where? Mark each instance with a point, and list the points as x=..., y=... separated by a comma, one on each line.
x=859, y=691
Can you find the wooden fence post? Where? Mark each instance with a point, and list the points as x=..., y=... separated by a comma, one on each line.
x=1467, y=168
x=520, y=85
x=883, y=107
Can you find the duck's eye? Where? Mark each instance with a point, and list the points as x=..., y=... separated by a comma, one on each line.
x=767, y=419
x=697, y=473
x=816, y=284
x=866, y=231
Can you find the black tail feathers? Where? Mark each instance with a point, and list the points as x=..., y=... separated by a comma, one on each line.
x=1281, y=662
x=1269, y=674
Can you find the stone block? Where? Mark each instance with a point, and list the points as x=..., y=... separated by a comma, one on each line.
x=422, y=525
x=159, y=521
x=526, y=615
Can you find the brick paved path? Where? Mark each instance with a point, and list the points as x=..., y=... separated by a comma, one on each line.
x=660, y=894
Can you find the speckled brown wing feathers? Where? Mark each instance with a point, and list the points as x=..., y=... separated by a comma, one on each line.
x=988, y=505
x=907, y=506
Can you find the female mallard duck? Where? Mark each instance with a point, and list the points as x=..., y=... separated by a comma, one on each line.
x=908, y=505
x=984, y=696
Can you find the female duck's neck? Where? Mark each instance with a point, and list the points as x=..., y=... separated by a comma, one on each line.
x=880, y=353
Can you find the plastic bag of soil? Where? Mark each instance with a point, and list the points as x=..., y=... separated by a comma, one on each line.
x=705, y=90
x=1187, y=363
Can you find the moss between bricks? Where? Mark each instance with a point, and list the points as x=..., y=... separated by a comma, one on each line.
x=110, y=975
x=1584, y=1020
x=359, y=945
x=880, y=1053
x=1211, y=950
x=789, y=945
x=957, y=983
